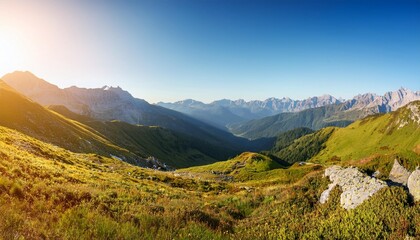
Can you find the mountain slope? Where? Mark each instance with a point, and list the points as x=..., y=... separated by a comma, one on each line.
x=213, y=114
x=315, y=118
x=47, y=192
x=110, y=103
x=85, y=135
x=172, y=148
x=377, y=140
x=285, y=139
x=332, y=115
x=393, y=134
x=305, y=147
x=18, y=112
x=243, y=167
x=224, y=112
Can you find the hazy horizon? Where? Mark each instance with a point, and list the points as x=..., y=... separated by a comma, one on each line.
x=167, y=51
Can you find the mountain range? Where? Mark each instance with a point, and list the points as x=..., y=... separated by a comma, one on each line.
x=339, y=115
x=223, y=113
x=81, y=134
x=108, y=114
x=114, y=103
x=80, y=174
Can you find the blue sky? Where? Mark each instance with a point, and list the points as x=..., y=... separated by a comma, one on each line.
x=169, y=50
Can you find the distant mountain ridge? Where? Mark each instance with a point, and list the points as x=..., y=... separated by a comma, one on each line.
x=330, y=115
x=225, y=112
x=113, y=103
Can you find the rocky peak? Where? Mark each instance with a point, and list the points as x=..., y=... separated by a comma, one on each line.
x=27, y=83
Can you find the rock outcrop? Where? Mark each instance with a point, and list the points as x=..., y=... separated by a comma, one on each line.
x=356, y=186
x=399, y=174
x=414, y=184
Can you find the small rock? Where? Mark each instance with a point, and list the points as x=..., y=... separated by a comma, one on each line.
x=376, y=174
x=398, y=173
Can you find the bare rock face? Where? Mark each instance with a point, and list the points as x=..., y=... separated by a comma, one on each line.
x=414, y=184
x=399, y=174
x=356, y=186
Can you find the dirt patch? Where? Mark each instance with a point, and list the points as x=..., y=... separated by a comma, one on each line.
x=417, y=149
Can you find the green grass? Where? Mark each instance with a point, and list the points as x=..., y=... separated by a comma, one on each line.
x=378, y=135
x=48, y=192
x=81, y=134
x=304, y=148
x=241, y=168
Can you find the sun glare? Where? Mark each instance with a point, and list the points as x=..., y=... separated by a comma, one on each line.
x=11, y=49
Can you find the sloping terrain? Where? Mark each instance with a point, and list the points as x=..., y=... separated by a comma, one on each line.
x=19, y=113
x=226, y=112
x=340, y=114
x=128, y=142
x=47, y=192
x=305, y=147
x=316, y=118
x=109, y=103
x=245, y=166
x=393, y=134
x=172, y=148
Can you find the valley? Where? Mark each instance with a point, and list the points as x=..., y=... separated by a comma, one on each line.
x=71, y=174
x=209, y=120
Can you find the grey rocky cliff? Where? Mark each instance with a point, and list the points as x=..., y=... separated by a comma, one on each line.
x=356, y=186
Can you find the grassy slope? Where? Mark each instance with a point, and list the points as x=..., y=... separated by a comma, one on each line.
x=18, y=112
x=379, y=135
x=129, y=142
x=51, y=193
x=304, y=148
x=173, y=148
x=151, y=115
x=242, y=167
x=284, y=140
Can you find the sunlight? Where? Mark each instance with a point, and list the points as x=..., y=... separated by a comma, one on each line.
x=12, y=49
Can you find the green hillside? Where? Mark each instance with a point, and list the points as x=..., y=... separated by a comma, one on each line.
x=315, y=118
x=304, y=148
x=19, y=113
x=47, y=192
x=121, y=105
x=85, y=135
x=173, y=148
x=240, y=168
x=285, y=139
x=387, y=136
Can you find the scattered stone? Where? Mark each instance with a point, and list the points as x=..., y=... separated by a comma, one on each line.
x=414, y=184
x=248, y=189
x=356, y=186
x=398, y=173
x=376, y=174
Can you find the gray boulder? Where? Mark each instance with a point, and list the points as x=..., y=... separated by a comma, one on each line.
x=414, y=184
x=356, y=186
x=398, y=173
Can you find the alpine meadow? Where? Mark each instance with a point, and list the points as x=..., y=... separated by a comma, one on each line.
x=195, y=119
